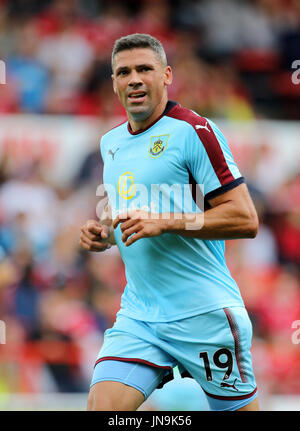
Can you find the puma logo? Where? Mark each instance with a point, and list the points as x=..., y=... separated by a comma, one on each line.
x=202, y=127
x=228, y=385
x=113, y=154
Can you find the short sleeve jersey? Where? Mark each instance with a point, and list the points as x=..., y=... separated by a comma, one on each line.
x=170, y=277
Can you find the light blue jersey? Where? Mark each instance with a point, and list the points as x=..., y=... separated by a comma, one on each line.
x=170, y=277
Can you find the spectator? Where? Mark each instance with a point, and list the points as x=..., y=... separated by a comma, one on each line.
x=28, y=75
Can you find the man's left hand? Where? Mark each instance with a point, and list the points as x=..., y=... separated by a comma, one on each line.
x=138, y=224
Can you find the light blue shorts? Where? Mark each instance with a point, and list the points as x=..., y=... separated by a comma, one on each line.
x=213, y=348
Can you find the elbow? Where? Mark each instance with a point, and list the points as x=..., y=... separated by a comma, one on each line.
x=252, y=226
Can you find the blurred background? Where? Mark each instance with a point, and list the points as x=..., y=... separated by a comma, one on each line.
x=232, y=62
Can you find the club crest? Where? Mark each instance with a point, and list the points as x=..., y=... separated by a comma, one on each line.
x=157, y=146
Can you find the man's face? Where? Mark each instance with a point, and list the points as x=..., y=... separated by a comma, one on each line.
x=140, y=80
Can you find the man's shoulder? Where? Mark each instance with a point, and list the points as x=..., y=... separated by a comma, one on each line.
x=188, y=116
x=197, y=127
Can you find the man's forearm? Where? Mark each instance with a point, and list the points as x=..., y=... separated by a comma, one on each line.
x=225, y=221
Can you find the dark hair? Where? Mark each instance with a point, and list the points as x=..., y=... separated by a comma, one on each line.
x=139, y=40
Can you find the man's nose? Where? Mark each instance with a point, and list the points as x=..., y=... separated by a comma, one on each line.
x=135, y=79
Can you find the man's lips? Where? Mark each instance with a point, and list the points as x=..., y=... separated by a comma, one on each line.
x=137, y=96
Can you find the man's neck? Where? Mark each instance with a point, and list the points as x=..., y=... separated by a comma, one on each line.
x=136, y=125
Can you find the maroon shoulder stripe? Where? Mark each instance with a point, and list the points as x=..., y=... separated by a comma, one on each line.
x=237, y=343
x=208, y=139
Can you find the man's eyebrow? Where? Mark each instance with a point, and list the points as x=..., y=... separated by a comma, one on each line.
x=137, y=66
x=119, y=69
x=140, y=66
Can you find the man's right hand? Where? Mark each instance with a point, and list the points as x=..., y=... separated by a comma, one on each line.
x=94, y=235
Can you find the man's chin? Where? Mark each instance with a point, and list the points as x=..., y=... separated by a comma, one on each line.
x=139, y=113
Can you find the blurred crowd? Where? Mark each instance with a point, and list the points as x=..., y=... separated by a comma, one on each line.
x=58, y=54
x=56, y=299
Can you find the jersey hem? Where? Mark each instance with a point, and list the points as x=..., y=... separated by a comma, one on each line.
x=136, y=316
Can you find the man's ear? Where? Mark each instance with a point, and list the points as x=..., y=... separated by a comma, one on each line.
x=168, y=76
x=114, y=84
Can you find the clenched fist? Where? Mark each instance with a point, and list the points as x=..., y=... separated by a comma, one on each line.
x=96, y=236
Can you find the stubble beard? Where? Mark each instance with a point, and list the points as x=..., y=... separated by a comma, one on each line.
x=142, y=115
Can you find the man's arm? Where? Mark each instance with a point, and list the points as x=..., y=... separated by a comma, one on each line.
x=232, y=216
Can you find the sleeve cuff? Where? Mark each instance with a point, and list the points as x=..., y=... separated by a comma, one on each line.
x=225, y=188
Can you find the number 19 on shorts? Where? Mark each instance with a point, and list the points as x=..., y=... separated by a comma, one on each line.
x=226, y=364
